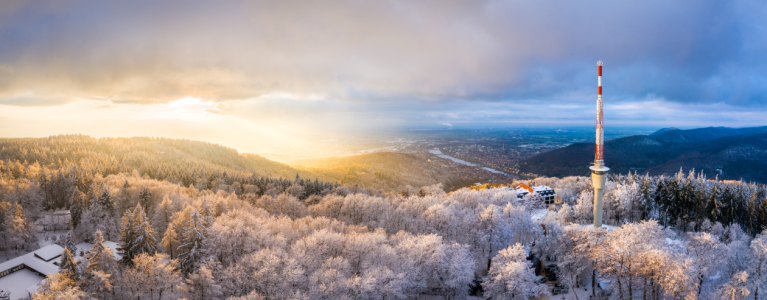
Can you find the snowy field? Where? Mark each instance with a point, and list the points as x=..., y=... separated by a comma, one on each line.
x=18, y=281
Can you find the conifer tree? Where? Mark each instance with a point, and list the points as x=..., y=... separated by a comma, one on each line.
x=105, y=200
x=714, y=204
x=17, y=228
x=206, y=213
x=70, y=244
x=137, y=235
x=170, y=240
x=145, y=198
x=162, y=215
x=77, y=208
x=191, y=250
x=144, y=240
x=94, y=255
x=127, y=237
x=68, y=264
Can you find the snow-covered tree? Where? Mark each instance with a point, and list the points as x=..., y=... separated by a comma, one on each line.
x=571, y=260
x=736, y=288
x=251, y=296
x=99, y=284
x=70, y=244
x=707, y=254
x=163, y=214
x=511, y=276
x=16, y=228
x=622, y=251
x=378, y=283
x=158, y=275
x=192, y=247
x=330, y=281
x=100, y=215
x=202, y=286
x=758, y=269
x=533, y=201
x=100, y=257
x=565, y=215
x=144, y=241
x=59, y=286
x=68, y=264
x=170, y=241
x=584, y=210
x=137, y=235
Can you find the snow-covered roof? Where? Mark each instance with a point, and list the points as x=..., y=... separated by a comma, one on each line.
x=49, y=252
x=36, y=261
x=19, y=283
x=541, y=188
x=524, y=187
x=7, y=265
x=31, y=261
x=40, y=266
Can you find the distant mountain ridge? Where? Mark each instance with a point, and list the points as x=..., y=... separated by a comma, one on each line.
x=731, y=153
x=675, y=135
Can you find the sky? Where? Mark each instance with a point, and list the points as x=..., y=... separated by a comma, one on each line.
x=256, y=75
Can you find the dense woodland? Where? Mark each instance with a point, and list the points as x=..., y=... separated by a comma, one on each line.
x=188, y=162
x=245, y=236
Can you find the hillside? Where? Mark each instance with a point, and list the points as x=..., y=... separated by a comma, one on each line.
x=159, y=158
x=185, y=161
x=382, y=170
x=733, y=154
x=674, y=135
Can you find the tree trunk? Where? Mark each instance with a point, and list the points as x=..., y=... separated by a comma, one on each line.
x=700, y=285
x=631, y=292
x=644, y=290
x=652, y=283
x=620, y=287
x=593, y=283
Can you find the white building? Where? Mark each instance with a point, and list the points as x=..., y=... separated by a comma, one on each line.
x=545, y=192
x=22, y=275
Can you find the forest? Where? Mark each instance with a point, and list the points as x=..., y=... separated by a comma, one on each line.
x=239, y=235
x=188, y=162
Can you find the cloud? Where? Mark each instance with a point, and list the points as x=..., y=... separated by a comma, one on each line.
x=431, y=51
x=299, y=67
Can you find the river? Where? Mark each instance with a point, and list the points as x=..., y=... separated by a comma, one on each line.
x=439, y=153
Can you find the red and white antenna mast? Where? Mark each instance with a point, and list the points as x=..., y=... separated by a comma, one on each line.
x=598, y=170
x=599, y=156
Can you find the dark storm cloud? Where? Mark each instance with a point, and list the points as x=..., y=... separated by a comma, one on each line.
x=399, y=52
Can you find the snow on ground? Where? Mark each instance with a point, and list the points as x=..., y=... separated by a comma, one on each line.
x=583, y=293
x=538, y=214
x=18, y=281
x=85, y=247
x=8, y=255
x=605, y=226
x=436, y=297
